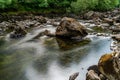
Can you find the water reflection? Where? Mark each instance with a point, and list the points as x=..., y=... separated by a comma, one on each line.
x=43, y=60
x=67, y=44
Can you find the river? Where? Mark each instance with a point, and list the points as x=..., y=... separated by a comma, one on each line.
x=43, y=59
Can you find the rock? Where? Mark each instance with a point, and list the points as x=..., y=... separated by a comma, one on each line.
x=40, y=19
x=94, y=74
x=92, y=15
x=108, y=20
x=117, y=18
x=100, y=34
x=115, y=30
x=91, y=75
x=116, y=37
x=88, y=15
x=18, y=33
x=95, y=68
x=39, y=35
x=113, y=46
x=74, y=76
x=69, y=28
x=109, y=65
x=102, y=77
x=48, y=33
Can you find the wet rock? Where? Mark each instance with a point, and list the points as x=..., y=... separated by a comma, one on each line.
x=95, y=68
x=116, y=37
x=48, y=33
x=40, y=19
x=104, y=24
x=100, y=34
x=109, y=65
x=4, y=25
x=102, y=77
x=115, y=30
x=94, y=74
x=97, y=21
x=93, y=15
x=88, y=15
x=52, y=22
x=116, y=24
x=113, y=46
x=74, y=76
x=18, y=33
x=91, y=75
x=116, y=18
x=108, y=20
x=69, y=27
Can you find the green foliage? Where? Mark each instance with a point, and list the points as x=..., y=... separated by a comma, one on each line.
x=102, y=5
x=35, y=4
x=83, y=5
x=119, y=3
x=4, y=3
x=63, y=5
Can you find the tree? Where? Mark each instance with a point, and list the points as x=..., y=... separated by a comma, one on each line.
x=4, y=3
x=104, y=5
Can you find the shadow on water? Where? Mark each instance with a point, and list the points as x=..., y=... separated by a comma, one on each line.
x=67, y=44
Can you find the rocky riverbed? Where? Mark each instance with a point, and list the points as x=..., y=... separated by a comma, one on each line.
x=97, y=24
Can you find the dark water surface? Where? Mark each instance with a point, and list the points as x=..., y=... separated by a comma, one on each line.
x=43, y=59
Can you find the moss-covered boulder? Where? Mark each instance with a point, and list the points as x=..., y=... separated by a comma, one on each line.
x=109, y=65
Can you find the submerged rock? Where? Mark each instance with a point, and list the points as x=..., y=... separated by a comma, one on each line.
x=69, y=28
x=46, y=32
x=109, y=65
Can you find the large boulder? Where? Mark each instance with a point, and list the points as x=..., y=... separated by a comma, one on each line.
x=109, y=65
x=69, y=28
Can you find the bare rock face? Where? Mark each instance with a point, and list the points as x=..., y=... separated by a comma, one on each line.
x=69, y=28
x=109, y=65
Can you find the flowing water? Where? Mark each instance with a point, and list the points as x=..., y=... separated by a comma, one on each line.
x=44, y=59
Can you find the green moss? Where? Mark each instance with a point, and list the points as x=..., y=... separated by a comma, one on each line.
x=99, y=29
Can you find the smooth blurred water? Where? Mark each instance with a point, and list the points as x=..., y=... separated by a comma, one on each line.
x=42, y=59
